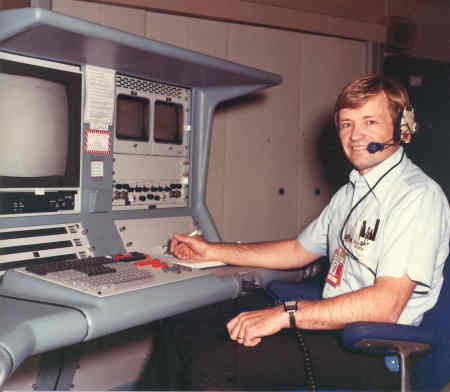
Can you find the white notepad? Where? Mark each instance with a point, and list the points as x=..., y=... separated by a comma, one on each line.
x=200, y=264
x=192, y=263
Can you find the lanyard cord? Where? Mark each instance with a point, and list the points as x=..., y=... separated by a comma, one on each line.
x=356, y=205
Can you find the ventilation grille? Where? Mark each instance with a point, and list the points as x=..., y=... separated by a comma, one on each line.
x=149, y=87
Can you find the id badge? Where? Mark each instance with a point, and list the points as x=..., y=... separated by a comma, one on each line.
x=336, y=271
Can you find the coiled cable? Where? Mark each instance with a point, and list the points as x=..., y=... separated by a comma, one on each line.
x=308, y=366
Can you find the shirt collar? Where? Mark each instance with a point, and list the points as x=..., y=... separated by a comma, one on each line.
x=372, y=176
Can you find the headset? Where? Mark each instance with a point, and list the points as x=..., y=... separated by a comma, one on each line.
x=404, y=128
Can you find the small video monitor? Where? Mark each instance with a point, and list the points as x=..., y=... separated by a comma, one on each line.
x=132, y=118
x=41, y=148
x=168, y=126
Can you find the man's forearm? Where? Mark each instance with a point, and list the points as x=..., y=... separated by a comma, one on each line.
x=382, y=302
x=280, y=254
x=334, y=313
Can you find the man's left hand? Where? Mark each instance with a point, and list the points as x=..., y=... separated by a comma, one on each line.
x=249, y=328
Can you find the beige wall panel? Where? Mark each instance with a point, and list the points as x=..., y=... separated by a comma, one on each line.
x=125, y=19
x=327, y=65
x=78, y=9
x=8, y=4
x=261, y=140
x=263, y=15
x=314, y=189
x=171, y=29
x=362, y=10
x=216, y=172
x=122, y=18
x=205, y=36
x=210, y=38
x=364, y=19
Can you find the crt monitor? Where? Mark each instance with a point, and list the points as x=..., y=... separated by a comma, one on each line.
x=40, y=120
x=132, y=118
x=168, y=126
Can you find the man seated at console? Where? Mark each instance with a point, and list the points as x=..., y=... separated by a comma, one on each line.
x=386, y=234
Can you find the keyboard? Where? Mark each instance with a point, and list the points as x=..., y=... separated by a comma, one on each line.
x=99, y=276
x=108, y=275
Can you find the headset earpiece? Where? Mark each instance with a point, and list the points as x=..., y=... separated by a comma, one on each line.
x=405, y=126
x=397, y=126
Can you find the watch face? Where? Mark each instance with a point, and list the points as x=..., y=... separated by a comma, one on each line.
x=290, y=306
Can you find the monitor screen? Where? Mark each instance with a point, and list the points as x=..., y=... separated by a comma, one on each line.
x=168, y=122
x=40, y=119
x=132, y=118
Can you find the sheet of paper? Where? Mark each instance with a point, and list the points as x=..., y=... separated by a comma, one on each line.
x=100, y=96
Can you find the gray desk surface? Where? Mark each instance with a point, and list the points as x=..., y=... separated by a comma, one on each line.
x=54, y=316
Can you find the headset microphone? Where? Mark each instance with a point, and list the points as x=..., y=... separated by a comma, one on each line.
x=374, y=147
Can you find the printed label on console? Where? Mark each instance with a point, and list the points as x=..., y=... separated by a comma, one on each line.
x=97, y=141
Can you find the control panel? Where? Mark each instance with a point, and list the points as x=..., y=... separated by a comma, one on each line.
x=152, y=235
x=145, y=182
x=28, y=202
x=151, y=145
x=150, y=194
x=22, y=246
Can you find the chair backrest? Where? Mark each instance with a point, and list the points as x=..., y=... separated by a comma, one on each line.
x=432, y=372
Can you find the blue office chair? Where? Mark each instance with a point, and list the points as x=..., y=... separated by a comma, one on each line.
x=428, y=369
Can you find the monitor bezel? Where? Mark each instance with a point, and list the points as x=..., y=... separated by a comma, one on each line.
x=24, y=66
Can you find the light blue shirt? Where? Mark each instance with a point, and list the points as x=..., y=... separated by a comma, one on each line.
x=401, y=227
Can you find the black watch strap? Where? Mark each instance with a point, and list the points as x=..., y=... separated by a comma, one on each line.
x=291, y=307
x=292, y=320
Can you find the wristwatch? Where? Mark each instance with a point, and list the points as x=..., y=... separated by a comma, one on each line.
x=291, y=307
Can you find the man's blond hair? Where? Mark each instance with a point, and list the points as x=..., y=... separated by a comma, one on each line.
x=358, y=92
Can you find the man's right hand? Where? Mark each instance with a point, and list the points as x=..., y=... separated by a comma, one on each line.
x=187, y=247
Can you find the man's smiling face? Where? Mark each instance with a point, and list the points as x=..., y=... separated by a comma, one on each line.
x=369, y=123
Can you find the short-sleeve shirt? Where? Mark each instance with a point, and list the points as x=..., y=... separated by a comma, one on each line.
x=400, y=227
